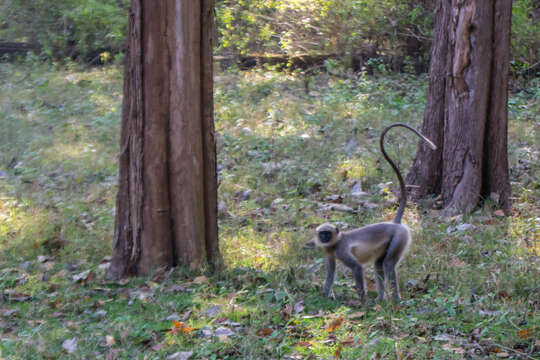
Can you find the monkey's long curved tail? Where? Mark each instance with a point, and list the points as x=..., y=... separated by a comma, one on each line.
x=403, y=201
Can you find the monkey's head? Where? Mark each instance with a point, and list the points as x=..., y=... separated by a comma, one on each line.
x=327, y=235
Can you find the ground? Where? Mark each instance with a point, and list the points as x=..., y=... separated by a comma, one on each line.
x=288, y=160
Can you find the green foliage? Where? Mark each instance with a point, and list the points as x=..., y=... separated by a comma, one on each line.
x=327, y=26
x=67, y=28
x=525, y=38
x=86, y=29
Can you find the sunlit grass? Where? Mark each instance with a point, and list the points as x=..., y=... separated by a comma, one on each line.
x=282, y=154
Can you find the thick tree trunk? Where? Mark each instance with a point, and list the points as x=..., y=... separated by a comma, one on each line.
x=496, y=144
x=426, y=172
x=466, y=111
x=167, y=196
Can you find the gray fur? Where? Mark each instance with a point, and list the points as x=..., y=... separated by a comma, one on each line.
x=384, y=244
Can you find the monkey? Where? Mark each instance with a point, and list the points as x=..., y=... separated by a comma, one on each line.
x=383, y=244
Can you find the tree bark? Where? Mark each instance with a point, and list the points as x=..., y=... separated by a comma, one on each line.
x=425, y=172
x=466, y=110
x=496, y=144
x=167, y=196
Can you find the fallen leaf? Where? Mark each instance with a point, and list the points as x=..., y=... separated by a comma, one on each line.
x=181, y=355
x=348, y=341
x=299, y=307
x=499, y=213
x=7, y=312
x=109, y=340
x=264, y=332
x=113, y=354
x=357, y=315
x=287, y=311
x=70, y=345
x=443, y=337
x=337, y=353
x=174, y=316
x=224, y=338
x=213, y=311
x=180, y=327
x=44, y=258
x=207, y=333
x=489, y=313
x=525, y=333
x=84, y=277
x=17, y=297
x=304, y=344
x=457, y=262
x=495, y=197
x=334, y=324
x=503, y=354
x=178, y=324
x=104, y=266
x=188, y=330
x=186, y=315
x=201, y=280
x=175, y=288
x=223, y=331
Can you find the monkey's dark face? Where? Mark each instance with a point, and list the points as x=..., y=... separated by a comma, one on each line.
x=325, y=236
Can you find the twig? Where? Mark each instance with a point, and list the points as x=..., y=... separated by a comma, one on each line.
x=514, y=351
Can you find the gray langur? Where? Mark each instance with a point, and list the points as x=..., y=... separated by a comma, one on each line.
x=384, y=244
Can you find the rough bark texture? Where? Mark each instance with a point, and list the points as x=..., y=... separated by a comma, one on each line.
x=167, y=196
x=209, y=143
x=467, y=103
x=496, y=143
x=466, y=111
x=425, y=172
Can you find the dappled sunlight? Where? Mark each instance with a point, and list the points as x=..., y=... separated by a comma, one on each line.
x=23, y=228
x=261, y=250
x=288, y=161
x=70, y=152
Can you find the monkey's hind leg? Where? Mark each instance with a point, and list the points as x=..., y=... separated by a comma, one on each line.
x=358, y=274
x=379, y=274
x=359, y=281
x=395, y=251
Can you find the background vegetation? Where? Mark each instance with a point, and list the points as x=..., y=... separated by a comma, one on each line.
x=396, y=30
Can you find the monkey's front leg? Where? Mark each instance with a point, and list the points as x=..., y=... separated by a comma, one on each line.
x=330, y=262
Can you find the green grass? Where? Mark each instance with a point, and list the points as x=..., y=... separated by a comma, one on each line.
x=282, y=152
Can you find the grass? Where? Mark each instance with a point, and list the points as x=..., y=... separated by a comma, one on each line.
x=468, y=293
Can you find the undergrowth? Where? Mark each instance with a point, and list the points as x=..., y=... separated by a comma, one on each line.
x=288, y=160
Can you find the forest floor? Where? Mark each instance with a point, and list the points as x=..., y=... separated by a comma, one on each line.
x=288, y=160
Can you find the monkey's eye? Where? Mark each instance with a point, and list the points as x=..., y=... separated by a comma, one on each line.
x=325, y=236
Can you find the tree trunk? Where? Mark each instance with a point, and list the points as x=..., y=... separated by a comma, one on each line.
x=167, y=197
x=466, y=110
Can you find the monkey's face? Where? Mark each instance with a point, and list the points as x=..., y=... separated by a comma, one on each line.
x=326, y=235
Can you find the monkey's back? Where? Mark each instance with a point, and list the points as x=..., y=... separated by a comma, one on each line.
x=370, y=243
